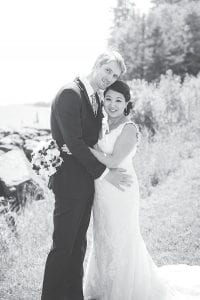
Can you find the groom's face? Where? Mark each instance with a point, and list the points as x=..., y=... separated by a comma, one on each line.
x=106, y=74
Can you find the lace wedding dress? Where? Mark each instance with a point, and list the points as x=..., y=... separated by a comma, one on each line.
x=119, y=265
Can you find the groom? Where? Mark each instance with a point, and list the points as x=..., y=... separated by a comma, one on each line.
x=76, y=120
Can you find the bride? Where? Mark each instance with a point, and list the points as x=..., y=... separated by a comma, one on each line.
x=119, y=265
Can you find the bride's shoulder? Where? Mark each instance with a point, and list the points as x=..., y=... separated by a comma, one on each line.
x=131, y=124
x=131, y=128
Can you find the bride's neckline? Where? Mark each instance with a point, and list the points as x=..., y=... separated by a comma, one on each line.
x=113, y=129
x=116, y=123
x=110, y=130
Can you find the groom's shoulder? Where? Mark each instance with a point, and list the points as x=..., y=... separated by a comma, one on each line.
x=70, y=88
x=70, y=91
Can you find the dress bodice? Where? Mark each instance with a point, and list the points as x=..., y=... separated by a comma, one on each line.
x=107, y=142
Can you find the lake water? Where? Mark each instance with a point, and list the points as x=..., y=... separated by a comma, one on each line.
x=16, y=116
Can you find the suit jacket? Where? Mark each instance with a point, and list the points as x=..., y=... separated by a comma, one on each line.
x=73, y=123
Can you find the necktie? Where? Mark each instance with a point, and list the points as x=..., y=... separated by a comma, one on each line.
x=94, y=104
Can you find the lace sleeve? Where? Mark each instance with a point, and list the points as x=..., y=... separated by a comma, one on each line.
x=138, y=134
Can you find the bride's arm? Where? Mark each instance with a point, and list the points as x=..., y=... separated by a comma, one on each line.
x=123, y=146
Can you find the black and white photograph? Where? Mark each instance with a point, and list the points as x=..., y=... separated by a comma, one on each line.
x=100, y=150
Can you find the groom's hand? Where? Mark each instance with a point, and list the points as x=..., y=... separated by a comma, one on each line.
x=119, y=178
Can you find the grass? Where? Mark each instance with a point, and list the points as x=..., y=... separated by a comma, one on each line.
x=24, y=259
x=169, y=214
x=170, y=217
x=169, y=176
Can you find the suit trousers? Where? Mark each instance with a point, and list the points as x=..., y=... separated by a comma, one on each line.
x=64, y=266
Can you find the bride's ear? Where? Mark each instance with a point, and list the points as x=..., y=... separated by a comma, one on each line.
x=128, y=107
x=126, y=110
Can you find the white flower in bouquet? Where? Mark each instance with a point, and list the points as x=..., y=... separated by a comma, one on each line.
x=46, y=159
x=53, y=152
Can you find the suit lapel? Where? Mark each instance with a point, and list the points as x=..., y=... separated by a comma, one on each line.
x=82, y=88
x=99, y=117
x=84, y=92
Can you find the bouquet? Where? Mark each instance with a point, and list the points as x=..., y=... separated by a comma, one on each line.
x=46, y=159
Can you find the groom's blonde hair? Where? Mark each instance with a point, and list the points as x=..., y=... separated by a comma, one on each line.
x=108, y=56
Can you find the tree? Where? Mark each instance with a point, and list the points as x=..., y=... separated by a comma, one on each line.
x=156, y=55
x=160, y=2
x=121, y=12
x=192, y=58
x=127, y=34
x=167, y=38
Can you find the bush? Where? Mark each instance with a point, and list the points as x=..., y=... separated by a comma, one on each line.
x=168, y=102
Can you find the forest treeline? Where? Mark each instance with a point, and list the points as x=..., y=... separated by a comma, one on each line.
x=168, y=37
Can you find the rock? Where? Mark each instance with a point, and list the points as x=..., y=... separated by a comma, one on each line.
x=29, y=146
x=2, y=151
x=6, y=148
x=26, y=138
x=13, y=139
x=14, y=168
x=18, y=183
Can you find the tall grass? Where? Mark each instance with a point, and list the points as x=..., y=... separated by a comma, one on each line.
x=161, y=156
x=23, y=254
x=168, y=171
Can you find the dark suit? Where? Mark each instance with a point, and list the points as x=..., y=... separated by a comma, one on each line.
x=72, y=123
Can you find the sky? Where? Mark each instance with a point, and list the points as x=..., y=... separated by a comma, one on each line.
x=46, y=43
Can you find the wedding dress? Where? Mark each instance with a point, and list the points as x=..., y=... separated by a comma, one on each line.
x=119, y=265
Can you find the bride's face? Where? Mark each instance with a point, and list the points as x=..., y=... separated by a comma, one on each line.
x=114, y=104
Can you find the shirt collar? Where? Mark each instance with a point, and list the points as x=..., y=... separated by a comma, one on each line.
x=88, y=87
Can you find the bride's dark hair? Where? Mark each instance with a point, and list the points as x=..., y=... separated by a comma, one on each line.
x=123, y=88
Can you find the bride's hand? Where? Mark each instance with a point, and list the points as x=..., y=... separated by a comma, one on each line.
x=66, y=149
x=92, y=150
x=119, y=178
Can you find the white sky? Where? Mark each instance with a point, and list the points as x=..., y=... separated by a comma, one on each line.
x=45, y=43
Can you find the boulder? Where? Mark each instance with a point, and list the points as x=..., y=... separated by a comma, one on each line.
x=26, y=138
x=18, y=182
